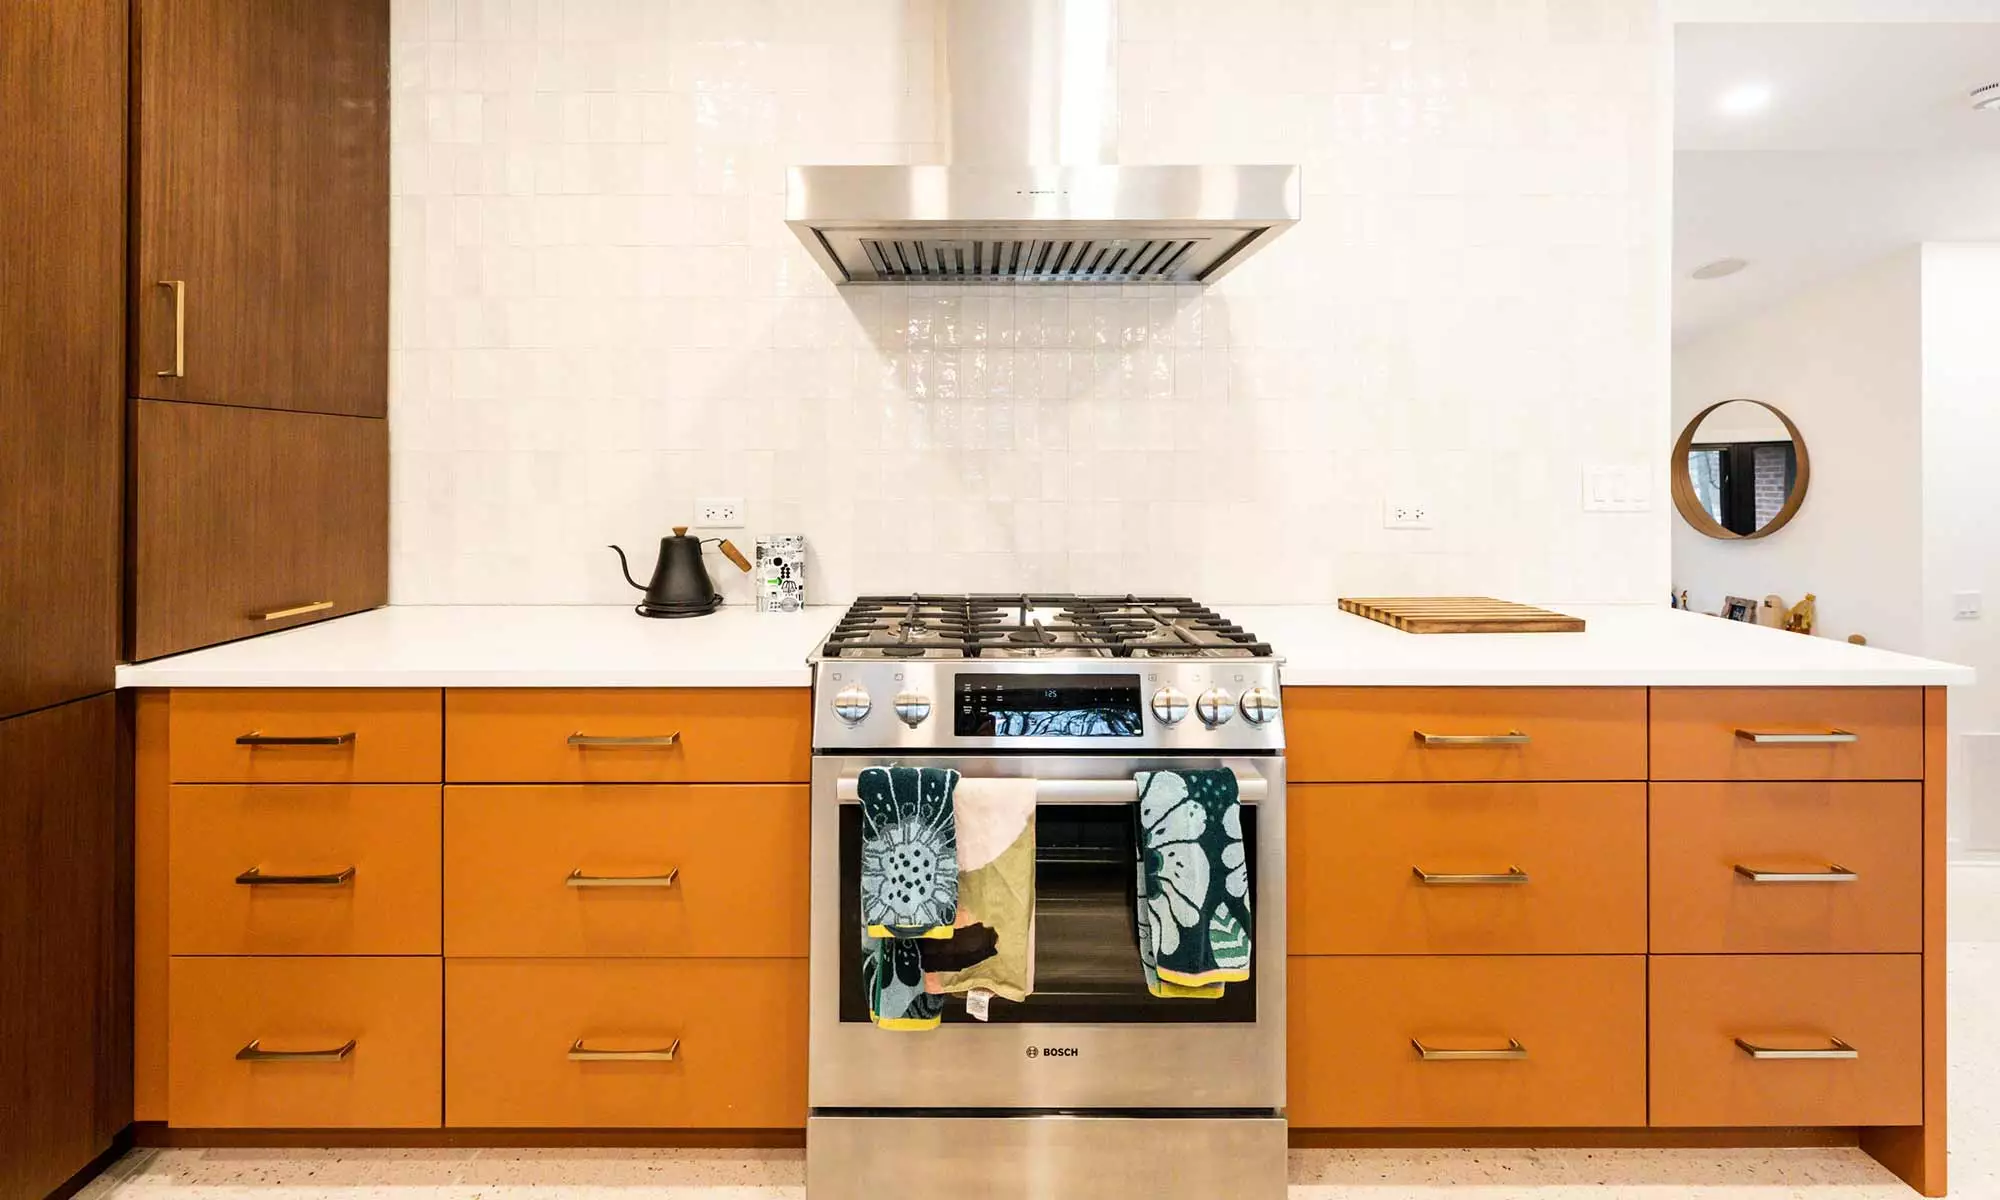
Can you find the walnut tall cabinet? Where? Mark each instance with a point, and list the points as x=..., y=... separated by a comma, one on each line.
x=193, y=360
x=259, y=317
x=64, y=993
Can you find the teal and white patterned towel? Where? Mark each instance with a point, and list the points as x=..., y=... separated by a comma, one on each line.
x=1195, y=877
x=909, y=852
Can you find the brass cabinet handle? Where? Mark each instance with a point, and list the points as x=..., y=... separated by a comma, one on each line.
x=1512, y=1052
x=578, y=1052
x=255, y=738
x=577, y=879
x=297, y=610
x=1834, y=873
x=1449, y=740
x=179, y=289
x=1838, y=1049
x=1434, y=879
x=607, y=742
x=255, y=877
x=1832, y=737
x=256, y=1053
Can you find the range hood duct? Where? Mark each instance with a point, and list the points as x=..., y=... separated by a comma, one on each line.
x=1033, y=193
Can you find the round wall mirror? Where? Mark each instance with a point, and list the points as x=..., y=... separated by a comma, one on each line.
x=1740, y=470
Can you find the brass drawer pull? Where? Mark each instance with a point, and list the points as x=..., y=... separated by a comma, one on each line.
x=577, y=879
x=1839, y=1049
x=254, y=738
x=297, y=610
x=255, y=877
x=256, y=1053
x=1453, y=740
x=179, y=288
x=1435, y=879
x=1513, y=1052
x=587, y=740
x=1834, y=873
x=1832, y=737
x=578, y=1052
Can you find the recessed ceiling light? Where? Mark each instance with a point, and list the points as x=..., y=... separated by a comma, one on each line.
x=1986, y=98
x=1720, y=268
x=1744, y=100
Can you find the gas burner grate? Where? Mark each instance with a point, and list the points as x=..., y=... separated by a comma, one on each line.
x=1037, y=625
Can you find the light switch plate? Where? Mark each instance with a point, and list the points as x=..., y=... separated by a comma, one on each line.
x=1617, y=489
x=1965, y=606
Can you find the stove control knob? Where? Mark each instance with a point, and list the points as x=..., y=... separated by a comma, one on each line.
x=1170, y=706
x=1214, y=707
x=851, y=703
x=1259, y=705
x=913, y=707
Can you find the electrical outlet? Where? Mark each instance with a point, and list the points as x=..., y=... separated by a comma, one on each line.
x=1965, y=606
x=1407, y=514
x=719, y=512
x=1616, y=489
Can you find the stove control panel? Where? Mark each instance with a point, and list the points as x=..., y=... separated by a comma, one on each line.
x=1108, y=704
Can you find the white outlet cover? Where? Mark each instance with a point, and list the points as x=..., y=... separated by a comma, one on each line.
x=719, y=512
x=1408, y=514
x=1965, y=606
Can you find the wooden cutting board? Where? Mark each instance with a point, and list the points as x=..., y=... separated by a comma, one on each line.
x=1461, y=614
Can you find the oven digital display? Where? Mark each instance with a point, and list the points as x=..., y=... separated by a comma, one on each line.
x=1027, y=706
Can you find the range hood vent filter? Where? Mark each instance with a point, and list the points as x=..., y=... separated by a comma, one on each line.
x=1015, y=260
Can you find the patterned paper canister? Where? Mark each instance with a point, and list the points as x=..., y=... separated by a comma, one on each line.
x=781, y=572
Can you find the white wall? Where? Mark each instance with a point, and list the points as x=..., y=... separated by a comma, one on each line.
x=599, y=315
x=1961, y=500
x=1843, y=360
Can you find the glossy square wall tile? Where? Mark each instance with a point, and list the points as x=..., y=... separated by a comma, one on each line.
x=598, y=314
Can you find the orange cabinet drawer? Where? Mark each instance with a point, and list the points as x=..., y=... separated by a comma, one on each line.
x=1576, y=1028
x=612, y=735
x=1788, y=733
x=311, y=1009
x=1702, y=1006
x=1787, y=867
x=1356, y=851
x=537, y=1042
x=338, y=869
x=702, y=870
x=1388, y=735
x=306, y=735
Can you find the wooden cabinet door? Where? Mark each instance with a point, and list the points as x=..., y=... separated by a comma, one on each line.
x=246, y=520
x=62, y=245
x=65, y=949
x=261, y=186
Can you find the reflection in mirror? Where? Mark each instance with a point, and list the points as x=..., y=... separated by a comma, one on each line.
x=1740, y=470
x=1742, y=465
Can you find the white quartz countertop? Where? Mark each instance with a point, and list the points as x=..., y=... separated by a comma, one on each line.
x=577, y=646
x=509, y=646
x=1621, y=645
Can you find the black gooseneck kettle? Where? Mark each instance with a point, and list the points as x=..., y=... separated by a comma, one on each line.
x=680, y=586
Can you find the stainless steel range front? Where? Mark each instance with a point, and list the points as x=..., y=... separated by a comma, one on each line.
x=1092, y=1078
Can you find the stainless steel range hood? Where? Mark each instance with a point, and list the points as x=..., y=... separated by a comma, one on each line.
x=1033, y=194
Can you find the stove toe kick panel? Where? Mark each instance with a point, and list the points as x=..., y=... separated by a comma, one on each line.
x=1045, y=1157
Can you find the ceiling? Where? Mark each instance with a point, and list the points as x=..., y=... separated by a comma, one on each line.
x=1867, y=144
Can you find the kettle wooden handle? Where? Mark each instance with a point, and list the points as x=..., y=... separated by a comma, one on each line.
x=730, y=552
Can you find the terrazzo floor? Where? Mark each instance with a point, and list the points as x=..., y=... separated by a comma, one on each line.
x=1802, y=1174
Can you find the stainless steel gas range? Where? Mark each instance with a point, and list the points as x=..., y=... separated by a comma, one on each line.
x=1092, y=1080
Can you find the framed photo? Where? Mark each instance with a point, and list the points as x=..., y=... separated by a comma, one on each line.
x=1736, y=608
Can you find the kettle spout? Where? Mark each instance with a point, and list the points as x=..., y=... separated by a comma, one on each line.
x=627, y=569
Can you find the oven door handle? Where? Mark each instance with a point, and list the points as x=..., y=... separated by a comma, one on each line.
x=1250, y=789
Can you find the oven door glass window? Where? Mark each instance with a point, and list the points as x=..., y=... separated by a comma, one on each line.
x=1086, y=942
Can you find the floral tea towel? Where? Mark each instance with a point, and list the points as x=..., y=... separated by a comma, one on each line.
x=1196, y=879
x=909, y=852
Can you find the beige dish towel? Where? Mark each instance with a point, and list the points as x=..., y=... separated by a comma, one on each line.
x=996, y=890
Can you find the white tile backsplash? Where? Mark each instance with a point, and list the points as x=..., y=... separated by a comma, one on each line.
x=599, y=314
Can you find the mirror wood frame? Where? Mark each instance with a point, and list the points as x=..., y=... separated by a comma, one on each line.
x=1689, y=504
